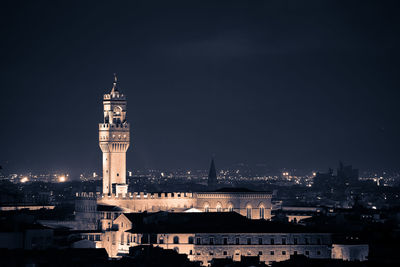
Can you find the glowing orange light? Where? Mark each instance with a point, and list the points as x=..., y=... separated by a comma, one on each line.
x=61, y=178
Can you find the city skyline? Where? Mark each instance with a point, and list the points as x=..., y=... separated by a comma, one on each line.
x=200, y=133
x=243, y=85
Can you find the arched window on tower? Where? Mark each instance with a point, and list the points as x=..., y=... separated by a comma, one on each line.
x=176, y=240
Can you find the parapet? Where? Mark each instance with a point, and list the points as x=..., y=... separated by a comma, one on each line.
x=106, y=126
x=115, y=97
x=248, y=195
x=87, y=195
x=145, y=195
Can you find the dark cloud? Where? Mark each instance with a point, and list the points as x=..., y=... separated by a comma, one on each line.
x=285, y=83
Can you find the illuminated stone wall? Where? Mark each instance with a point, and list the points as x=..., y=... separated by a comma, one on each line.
x=254, y=205
x=151, y=202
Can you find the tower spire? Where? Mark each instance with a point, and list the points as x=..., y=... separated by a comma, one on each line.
x=114, y=88
x=212, y=176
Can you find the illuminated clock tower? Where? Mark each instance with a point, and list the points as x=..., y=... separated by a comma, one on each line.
x=114, y=141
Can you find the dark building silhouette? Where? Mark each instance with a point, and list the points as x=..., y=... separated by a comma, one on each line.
x=345, y=176
x=347, y=173
x=212, y=176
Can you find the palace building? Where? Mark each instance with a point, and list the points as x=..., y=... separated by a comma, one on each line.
x=224, y=223
x=114, y=141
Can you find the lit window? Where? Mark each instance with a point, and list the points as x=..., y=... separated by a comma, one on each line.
x=248, y=215
x=261, y=212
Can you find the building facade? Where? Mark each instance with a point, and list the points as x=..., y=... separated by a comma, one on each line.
x=196, y=237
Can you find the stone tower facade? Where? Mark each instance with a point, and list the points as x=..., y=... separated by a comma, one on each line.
x=114, y=141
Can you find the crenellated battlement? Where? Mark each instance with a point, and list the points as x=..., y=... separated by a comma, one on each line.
x=107, y=126
x=146, y=195
x=115, y=97
x=246, y=195
x=137, y=195
x=87, y=195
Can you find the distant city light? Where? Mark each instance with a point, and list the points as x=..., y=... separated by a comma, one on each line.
x=24, y=179
x=61, y=178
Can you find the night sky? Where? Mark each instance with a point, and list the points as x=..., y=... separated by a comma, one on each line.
x=281, y=83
